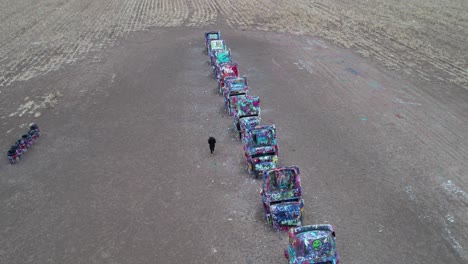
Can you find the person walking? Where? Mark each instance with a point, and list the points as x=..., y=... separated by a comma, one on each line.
x=212, y=142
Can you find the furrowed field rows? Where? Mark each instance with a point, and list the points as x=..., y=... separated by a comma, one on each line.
x=421, y=38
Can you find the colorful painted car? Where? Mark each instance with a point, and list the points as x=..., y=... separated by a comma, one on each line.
x=312, y=244
x=233, y=101
x=234, y=87
x=224, y=70
x=261, y=149
x=211, y=35
x=216, y=44
x=246, y=107
x=219, y=57
x=246, y=124
x=282, y=197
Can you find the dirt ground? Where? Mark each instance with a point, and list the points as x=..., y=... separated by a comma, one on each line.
x=125, y=98
x=424, y=39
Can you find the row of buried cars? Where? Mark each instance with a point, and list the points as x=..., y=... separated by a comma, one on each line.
x=21, y=146
x=281, y=189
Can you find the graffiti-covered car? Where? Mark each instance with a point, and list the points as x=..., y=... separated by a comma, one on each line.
x=261, y=149
x=219, y=57
x=245, y=107
x=211, y=35
x=282, y=197
x=233, y=102
x=234, y=87
x=232, y=94
x=312, y=244
x=216, y=44
x=224, y=70
x=246, y=124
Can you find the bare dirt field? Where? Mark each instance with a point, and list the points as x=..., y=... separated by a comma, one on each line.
x=420, y=38
x=369, y=98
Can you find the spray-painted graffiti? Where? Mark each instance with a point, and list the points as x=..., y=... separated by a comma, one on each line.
x=312, y=244
x=286, y=214
x=217, y=44
x=261, y=149
x=232, y=104
x=246, y=124
x=219, y=57
x=234, y=86
x=248, y=106
x=281, y=190
x=214, y=45
x=212, y=35
x=282, y=197
x=223, y=71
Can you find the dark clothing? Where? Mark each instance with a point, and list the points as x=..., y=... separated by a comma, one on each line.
x=212, y=142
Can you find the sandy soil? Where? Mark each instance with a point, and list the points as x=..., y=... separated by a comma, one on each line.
x=123, y=173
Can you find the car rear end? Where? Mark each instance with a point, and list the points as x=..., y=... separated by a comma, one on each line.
x=286, y=214
x=211, y=35
x=215, y=44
